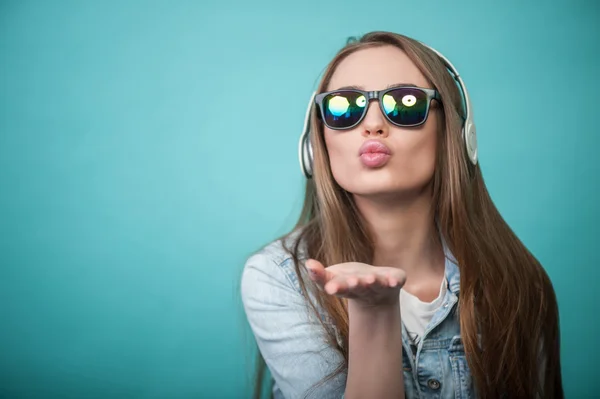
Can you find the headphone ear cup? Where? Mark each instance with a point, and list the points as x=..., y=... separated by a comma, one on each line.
x=309, y=155
x=470, y=135
x=306, y=156
x=305, y=147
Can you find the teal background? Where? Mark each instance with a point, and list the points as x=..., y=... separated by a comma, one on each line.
x=142, y=160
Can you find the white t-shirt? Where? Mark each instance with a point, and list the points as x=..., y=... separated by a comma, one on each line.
x=416, y=315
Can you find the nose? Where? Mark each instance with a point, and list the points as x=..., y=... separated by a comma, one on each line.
x=374, y=123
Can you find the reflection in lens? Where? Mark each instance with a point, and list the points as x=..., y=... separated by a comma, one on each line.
x=361, y=101
x=338, y=105
x=406, y=106
x=389, y=103
x=344, y=109
x=409, y=100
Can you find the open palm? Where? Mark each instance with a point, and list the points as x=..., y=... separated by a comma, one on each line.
x=371, y=285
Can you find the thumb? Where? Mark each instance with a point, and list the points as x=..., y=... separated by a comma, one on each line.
x=316, y=271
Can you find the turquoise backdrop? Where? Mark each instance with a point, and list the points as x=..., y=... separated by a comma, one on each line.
x=148, y=147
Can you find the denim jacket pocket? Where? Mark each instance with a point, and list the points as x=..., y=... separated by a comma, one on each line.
x=461, y=374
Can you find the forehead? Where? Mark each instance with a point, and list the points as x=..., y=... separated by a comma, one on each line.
x=376, y=69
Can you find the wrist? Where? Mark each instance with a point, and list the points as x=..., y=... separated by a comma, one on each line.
x=384, y=307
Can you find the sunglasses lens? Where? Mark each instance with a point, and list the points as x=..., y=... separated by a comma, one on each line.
x=406, y=106
x=343, y=109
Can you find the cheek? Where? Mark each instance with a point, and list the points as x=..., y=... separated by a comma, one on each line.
x=420, y=151
x=416, y=159
x=342, y=149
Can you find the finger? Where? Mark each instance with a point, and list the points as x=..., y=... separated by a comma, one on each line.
x=368, y=279
x=400, y=275
x=353, y=282
x=337, y=285
x=350, y=286
x=374, y=283
x=357, y=287
x=378, y=281
x=393, y=281
x=395, y=277
x=381, y=280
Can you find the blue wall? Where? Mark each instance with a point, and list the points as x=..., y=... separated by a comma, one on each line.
x=142, y=160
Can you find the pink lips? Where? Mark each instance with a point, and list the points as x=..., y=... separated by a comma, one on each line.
x=374, y=154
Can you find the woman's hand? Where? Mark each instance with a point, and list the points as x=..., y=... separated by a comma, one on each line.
x=366, y=284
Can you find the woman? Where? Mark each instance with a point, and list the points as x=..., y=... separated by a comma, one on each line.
x=401, y=278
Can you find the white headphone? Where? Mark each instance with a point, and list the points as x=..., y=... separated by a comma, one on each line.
x=305, y=151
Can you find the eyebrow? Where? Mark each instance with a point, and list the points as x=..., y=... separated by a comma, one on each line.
x=389, y=87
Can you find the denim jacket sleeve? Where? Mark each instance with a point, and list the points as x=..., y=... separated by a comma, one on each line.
x=289, y=337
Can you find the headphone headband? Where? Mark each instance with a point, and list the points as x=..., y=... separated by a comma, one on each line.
x=469, y=133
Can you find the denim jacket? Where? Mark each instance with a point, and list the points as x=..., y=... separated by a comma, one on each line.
x=293, y=344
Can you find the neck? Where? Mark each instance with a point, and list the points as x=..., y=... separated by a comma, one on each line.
x=404, y=233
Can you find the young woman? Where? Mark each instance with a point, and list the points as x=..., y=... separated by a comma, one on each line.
x=401, y=279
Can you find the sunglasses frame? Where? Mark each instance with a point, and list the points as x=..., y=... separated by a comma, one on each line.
x=431, y=94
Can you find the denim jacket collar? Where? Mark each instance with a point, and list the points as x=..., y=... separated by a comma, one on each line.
x=452, y=272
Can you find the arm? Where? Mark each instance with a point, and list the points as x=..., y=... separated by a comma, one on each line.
x=288, y=336
x=375, y=329
x=375, y=352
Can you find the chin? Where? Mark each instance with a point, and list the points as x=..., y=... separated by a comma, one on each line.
x=378, y=189
x=382, y=185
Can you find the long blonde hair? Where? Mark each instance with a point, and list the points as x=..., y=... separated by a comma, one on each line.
x=505, y=294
